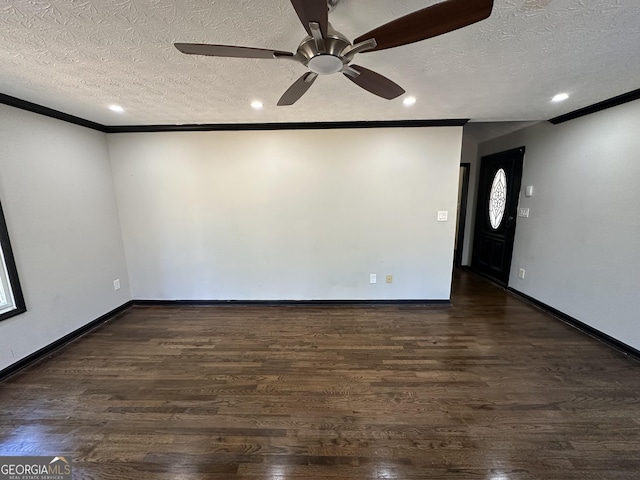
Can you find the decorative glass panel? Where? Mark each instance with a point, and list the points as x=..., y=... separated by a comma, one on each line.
x=498, y=199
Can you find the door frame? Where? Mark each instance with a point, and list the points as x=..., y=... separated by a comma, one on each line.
x=462, y=217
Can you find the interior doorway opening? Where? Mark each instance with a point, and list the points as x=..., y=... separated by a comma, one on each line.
x=461, y=217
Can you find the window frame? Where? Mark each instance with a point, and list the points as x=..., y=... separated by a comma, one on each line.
x=9, y=274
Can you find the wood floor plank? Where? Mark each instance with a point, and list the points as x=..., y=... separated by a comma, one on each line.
x=489, y=388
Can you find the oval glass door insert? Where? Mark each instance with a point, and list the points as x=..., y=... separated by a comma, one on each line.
x=498, y=199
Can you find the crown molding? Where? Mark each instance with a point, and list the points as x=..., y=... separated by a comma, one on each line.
x=221, y=127
x=597, y=107
x=49, y=112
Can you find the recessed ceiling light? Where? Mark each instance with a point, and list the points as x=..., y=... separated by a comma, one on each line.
x=116, y=108
x=409, y=101
x=256, y=105
x=561, y=97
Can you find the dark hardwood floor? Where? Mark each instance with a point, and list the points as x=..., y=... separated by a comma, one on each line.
x=490, y=388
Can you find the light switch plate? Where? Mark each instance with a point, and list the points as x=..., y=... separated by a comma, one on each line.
x=443, y=216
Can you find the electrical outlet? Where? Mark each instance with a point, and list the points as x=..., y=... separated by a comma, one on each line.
x=373, y=278
x=443, y=216
x=523, y=212
x=116, y=284
x=389, y=278
x=521, y=273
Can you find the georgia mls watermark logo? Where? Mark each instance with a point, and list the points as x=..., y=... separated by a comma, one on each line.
x=35, y=468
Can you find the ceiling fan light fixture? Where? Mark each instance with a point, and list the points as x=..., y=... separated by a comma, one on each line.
x=325, y=64
x=409, y=101
x=561, y=97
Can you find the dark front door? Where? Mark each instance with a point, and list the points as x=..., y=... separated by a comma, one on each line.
x=496, y=212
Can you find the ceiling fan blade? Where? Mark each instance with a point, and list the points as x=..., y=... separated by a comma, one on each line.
x=229, y=51
x=312, y=11
x=429, y=22
x=299, y=88
x=375, y=83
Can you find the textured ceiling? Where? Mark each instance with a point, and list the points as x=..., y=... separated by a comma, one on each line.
x=79, y=56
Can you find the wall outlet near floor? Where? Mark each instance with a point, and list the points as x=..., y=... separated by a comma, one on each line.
x=521, y=273
x=373, y=278
x=116, y=284
x=389, y=278
x=523, y=212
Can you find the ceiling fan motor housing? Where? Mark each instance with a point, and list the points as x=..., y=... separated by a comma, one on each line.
x=329, y=61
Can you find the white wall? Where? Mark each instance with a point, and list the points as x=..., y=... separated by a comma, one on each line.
x=581, y=245
x=59, y=205
x=288, y=215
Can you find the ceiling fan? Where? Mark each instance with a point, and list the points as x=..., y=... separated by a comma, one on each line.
x=324, y=51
